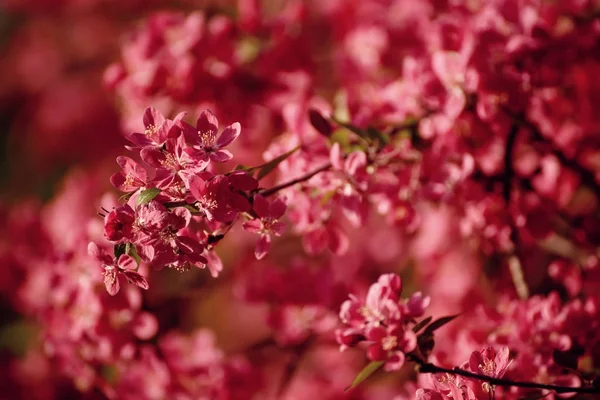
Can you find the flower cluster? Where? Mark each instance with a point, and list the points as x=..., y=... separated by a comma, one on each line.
x=177, y=209
x=452, y=143
x=383, y=321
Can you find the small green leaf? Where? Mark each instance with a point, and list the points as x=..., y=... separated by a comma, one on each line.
x=110, y=373
x=148, y=195
x=17, y=337
x=375, y=134
x=120, y=249
x=438, y=323
x=126, y=196
x=359, y=131
x=269, y=166
x=367, y=371
x=327, y=196
x=132, y=251
x=421, y=324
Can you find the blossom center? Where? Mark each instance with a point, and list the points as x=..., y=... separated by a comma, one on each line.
x=389, y=342
x=150, y=129
x=207, y=138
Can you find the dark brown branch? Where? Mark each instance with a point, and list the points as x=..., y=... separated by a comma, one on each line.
x=303, y=178
x=428, y=368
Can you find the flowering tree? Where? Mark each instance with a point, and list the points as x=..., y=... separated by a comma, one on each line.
x=332, y=200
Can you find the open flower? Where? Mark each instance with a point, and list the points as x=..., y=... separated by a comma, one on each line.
x=124, y=265
x=267, y=223
x=206, y=138
x=490, y=362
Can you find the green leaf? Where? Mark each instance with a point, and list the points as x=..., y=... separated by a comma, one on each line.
x=359, y=131
x=17, y=337
x=377, y=135
x=148, y=195
x=269, y=166
x=126, y=196
x=438, y=323
x=132, y=251
x=120, y=249
x=367, y=371
x=422, y=324
x=110, y=373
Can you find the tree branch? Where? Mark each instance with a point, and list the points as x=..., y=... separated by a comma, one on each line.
x=303, y=178
x=428, y=368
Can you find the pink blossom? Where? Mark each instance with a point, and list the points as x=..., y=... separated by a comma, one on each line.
x=267, y=223
x=205, y=136
x=124, y=265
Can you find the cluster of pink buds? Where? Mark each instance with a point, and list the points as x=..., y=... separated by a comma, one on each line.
x=177, y=209
x=383, y=321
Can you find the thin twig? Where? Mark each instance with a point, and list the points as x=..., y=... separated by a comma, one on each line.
x=303, y=178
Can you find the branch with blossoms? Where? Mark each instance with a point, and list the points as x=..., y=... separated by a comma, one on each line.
x=387, y=328
x=177, y=209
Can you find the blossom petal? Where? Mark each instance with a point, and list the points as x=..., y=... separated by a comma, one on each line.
x=126, y=262
x=262, y=247
x=99, y=253
x=136, y=279
x=221, y=156
x=111, y=281
x=261, y=206
x=207, y=123
x=277, y=208
x=153, y=117
x=229, y=135
x=253, y=226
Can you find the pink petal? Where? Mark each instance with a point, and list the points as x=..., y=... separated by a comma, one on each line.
x=277, y=228
x=100, y=254
x=197, y=187
x=338, y=241
x=376, y=353
x=475, y=361
x=145, y=326
x=253, y=226
x=355, y=160
x=126, y=262
x=152, y=156
x=207, y=123
x=242, y=181
x=153, y=117
x=262, y=247
x=190, y=246
x=228, y=135
x=215, y=265
x=118, y=179
x=261, y=206
x=111, y=281
x=395, y=361
x=335, y=156
x=377, y=333
x=136, y=279
x=221, y=156
x=277, y=208
x=393, y=281
x=190, y=133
